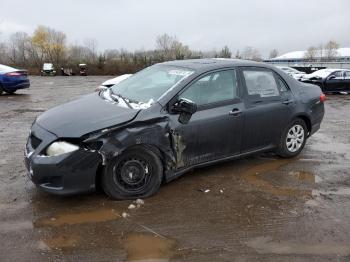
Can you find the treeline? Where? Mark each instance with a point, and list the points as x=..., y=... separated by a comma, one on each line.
x=322, y=53
x=47, y=45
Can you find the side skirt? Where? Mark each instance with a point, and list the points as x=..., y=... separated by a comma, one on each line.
x=171, y=175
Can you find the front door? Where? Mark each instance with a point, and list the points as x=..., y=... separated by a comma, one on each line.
x=334, y=82
x=214, y=131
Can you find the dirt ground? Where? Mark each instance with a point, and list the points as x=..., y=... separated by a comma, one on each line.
x=260, y=208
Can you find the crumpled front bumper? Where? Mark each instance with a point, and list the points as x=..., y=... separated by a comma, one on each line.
x=65, y=174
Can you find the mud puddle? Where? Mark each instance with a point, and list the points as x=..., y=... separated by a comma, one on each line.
x=286, y=183
x=149, y=247
x=94, y=216
x=265, y=245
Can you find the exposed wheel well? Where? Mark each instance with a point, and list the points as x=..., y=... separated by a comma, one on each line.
x=307, y=122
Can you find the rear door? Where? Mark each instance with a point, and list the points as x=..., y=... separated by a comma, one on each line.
x=269, y=105
x=347, y=81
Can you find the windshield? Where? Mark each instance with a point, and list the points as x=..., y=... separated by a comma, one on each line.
x=290, y=69
x=150, y=84
x=5, y=69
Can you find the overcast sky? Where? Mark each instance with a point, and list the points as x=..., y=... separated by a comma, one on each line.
x=287, y=25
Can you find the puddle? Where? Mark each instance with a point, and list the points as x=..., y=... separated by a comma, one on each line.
x=95, y=216
x=264, y=245
x=254, y=176
x=148, y=247
x=60, y=242
x=304, y=176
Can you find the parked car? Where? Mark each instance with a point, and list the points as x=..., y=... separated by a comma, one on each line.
x=166, y=120
x=292, y=72
x=12, y=79
x=330, y=80
x=82, y=69
x=48, y=70
x=112, y=82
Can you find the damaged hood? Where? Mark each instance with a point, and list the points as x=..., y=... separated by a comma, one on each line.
x=85, y=115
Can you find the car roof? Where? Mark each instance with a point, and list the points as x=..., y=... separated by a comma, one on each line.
x=213, y=63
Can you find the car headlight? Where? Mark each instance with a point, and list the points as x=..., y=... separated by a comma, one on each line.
x=59, y=148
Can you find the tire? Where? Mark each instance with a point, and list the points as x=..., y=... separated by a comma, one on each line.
x=11, y=92
x=1, y=90
x=137, y=173
x=293, y=139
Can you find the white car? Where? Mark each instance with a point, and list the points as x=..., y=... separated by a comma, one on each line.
x=113, y=81
x=292, y=72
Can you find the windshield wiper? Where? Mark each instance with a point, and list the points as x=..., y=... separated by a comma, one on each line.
x=122, y=98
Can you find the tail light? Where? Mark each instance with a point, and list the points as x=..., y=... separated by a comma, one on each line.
x=323, y=97
x=13, y=74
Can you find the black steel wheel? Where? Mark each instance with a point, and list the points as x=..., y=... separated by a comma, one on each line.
x=136, y=173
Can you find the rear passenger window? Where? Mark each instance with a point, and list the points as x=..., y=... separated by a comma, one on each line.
x=261, y=82
x=282, y=85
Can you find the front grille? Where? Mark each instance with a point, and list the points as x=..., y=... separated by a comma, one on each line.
x=34, y=141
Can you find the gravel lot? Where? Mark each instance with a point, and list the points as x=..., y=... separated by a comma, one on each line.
x=258, y=208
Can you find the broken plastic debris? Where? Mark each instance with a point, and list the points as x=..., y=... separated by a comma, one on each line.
x=125, y=215
x=139, y=201
x=204, y=190
x=221, y=191
x=131, y=206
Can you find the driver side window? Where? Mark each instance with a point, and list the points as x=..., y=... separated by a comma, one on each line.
x=213, y=88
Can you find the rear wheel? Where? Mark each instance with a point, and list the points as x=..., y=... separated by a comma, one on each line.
x=1, y=90
x=136, y=173
x=293, y=139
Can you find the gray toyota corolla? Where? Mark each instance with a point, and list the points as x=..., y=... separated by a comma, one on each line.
x=167, y=119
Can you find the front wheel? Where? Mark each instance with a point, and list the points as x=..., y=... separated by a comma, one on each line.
x=11, y=92
x=137, y=173
x=293, y=139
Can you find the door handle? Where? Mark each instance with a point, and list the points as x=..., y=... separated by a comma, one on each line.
x=235, y=112
x=287, y=102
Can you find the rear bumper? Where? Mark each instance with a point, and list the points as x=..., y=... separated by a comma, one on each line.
x=15, y=85
x=65, y=174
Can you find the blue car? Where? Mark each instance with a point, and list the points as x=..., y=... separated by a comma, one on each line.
x=12, y=79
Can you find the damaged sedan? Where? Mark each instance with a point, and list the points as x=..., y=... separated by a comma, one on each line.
x=166, y=120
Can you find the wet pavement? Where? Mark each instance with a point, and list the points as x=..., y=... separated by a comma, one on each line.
x=257, y=208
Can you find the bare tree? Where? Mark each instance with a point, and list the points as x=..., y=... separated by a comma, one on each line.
x=320, y=52
x=18, y=48
x=238, y=55
x=225, y=52
x=311, y=54
x=164, y=43
x=91, y=50
x=331, y=50
x=170, y=48
x=273, y=53
x=250, y=53
x=48, y=44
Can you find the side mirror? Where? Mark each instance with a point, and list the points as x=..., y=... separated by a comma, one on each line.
x=331, y=77
x=186, y=108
